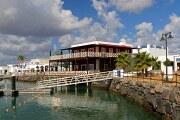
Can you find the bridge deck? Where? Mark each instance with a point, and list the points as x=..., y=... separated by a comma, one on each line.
x=75, y=80
x=24, y=91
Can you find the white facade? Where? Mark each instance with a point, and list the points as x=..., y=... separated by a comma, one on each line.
x=40, y=64
x=177, y=63
x=4, y=70
x=174, y=58
x=153, y=50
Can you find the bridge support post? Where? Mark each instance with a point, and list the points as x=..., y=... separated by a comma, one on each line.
x=52, y=91
x=89, y=85
x=76, y=90
x=13, y=84
x=1, y=93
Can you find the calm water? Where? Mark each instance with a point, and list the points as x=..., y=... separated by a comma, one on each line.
x=94, y=104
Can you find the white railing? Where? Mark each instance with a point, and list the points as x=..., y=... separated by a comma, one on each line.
x=75, y=80
x=84, y=54
x=70, y=73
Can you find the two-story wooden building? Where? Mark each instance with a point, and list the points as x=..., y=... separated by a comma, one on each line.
x=90, y=56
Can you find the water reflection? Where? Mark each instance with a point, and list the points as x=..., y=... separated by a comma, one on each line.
x=75, y=103
x=13, y=101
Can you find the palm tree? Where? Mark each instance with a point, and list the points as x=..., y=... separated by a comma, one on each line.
x=123, y=60
x=21, y=58
x=142, y=61
x=155, y=64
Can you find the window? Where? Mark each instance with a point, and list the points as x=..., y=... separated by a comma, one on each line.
x=76, y=51
x=110, y=50
x=91, y=50
x=117, y=50
x=106, y=66
x=83, y=67
x=83, y=50
x=103, y=50
x=91, y=67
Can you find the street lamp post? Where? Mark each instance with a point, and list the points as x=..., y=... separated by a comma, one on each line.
x=165, y=37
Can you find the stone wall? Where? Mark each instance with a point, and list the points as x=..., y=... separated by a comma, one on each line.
x=30, y=78
x=163, y=100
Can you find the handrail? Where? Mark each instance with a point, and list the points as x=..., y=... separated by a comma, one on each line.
x=84, y=54
x=174, y=80
x=75, y=80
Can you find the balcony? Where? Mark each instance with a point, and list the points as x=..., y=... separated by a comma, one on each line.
x=84, y=54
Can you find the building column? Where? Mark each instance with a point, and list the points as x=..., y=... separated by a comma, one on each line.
x=97, y=64
x=87, y=63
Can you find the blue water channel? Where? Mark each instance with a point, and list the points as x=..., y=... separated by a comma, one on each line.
x=78, y=103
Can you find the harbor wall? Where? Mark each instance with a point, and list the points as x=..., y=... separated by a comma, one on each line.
x=162, y=100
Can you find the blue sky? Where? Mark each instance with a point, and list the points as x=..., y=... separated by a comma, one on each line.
x=157, y=14
x=33, y=27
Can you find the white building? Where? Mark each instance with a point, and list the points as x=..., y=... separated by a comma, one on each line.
x=35, y=65
x=177, y=63
x=153, y=50
x=4, y=70
x=160, y=52
x=174, y=58
x=39, y=65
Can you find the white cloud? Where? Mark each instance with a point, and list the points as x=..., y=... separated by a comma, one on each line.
x=86, y=34
x=105, y=31
x=27, y=27
x=37, y=18
x=145, y=34
x=144, y=26
x=109, y=17
x=174, y=28
x=11, y=46
x=133, y=6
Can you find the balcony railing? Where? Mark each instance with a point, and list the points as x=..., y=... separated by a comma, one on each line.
x=84, y=54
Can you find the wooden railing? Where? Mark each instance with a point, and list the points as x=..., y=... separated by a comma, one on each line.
x=150, y=77
x=84, y=54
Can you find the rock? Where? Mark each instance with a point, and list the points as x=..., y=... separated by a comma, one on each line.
x=145, y=91
x=114, y=83
x=173, y=105
x=139, y=84
x=145, y=85
x=159, y=89
x=122, y=90
x=152, y=91
x=148, y=106
x=176, y=113
x=159, y=106
x=149, y=98
x=166, y=93
x=168, y=107
x=152, y=85
x=174, y=96
x=132, y=83
x=166, y=117
x=139, y=99
x=118, y=86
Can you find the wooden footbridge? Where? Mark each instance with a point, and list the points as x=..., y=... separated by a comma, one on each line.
x=75, y=80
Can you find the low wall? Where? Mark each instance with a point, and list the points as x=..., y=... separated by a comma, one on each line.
x=163, y=100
